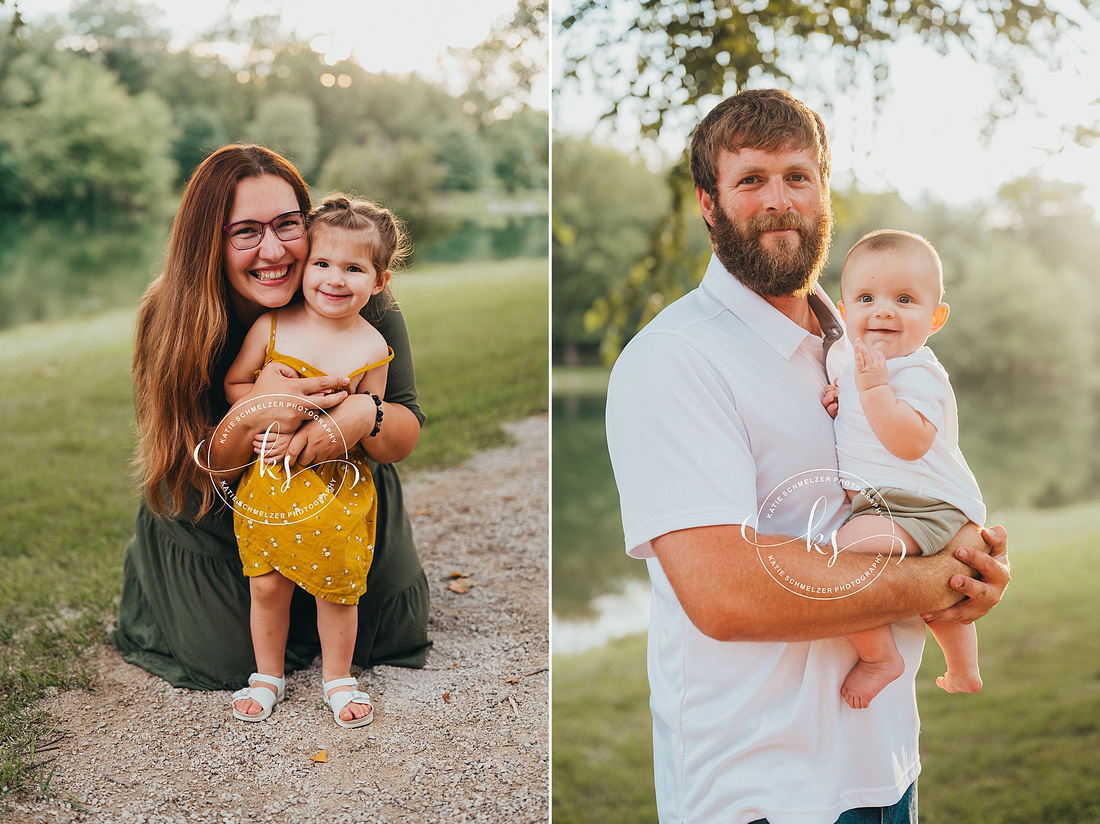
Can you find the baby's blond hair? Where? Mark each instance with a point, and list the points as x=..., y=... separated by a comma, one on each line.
x=902, y=242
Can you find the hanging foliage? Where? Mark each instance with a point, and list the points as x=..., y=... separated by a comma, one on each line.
x=666, y=60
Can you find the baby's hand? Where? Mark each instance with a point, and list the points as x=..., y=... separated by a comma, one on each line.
x=830, y=400
x=871, y=368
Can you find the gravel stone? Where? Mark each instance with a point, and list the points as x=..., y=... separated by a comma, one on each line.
x=466, y=739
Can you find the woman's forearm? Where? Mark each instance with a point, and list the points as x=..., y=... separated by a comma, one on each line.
x=397, y=436
x=355, y=419
x=277, y=402
x=231, y=442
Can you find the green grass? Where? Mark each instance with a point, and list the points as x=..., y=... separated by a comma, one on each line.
x=602, y=736
x=479, y=334
x=1022, y=751
x=67, y=498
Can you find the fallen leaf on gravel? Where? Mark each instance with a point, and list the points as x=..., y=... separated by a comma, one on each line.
x=320, y=758
x=457, y=574
x=511, y=680
x=420, y=512
x=508, y=497
x=461, y=587
x=447, y=697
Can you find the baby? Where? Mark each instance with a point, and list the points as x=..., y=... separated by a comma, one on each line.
x=897, y=433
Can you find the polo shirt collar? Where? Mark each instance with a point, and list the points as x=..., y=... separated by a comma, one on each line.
x=772, y=326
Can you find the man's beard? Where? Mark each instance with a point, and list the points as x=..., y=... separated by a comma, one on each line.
x=789, y=267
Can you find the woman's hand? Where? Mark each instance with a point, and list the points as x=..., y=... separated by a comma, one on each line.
x=355, y=419
x=281, y=400
x=281, y=380
x=278, y=402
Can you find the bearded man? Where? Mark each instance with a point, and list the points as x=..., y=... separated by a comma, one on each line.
x=726, y=465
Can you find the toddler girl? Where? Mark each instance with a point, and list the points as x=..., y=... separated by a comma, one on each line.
x=314, y=526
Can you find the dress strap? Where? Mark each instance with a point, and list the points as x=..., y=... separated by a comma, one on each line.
x=271, y=343
x=270, y=354
x=371, y=366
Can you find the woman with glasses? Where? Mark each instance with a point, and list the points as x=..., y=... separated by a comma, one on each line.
x=238, y=249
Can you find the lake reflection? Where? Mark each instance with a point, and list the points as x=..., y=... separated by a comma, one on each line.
x=617, y=615
x=58, y=267
x=453, y=241
x=589, y=559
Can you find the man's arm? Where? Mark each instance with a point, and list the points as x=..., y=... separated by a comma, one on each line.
x=728, y=594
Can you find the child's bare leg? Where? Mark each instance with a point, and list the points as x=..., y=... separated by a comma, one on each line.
x=879, y=663
x=875, y=535
x=959, y=643
x=269, y=617
x=879, y=660
x=337, y=624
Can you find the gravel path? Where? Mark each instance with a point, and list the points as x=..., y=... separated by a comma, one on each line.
x=463, y=740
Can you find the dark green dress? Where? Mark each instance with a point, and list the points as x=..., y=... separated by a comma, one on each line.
x=185, y=602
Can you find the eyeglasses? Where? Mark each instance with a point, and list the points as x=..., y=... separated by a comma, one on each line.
x=247, y=234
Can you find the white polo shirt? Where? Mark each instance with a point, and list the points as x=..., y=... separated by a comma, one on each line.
x=713, y=416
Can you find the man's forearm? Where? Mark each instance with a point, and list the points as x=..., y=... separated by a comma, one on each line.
x=775, y=589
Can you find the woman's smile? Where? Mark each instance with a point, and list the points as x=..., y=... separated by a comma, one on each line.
x=270, y=275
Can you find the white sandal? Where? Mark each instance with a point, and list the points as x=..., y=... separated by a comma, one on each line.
x=261, y=695
x=338, y=700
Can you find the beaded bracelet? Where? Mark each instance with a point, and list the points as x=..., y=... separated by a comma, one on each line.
x=378, y=419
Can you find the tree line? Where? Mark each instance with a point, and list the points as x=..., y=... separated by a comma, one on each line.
x=1019, y=272
x=97, y=112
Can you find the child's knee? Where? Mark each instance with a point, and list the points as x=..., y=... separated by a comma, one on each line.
x=270, y=587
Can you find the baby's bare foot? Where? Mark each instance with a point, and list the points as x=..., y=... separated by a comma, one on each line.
x=960, y=682
x=868, y=678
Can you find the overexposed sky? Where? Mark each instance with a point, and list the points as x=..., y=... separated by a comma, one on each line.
x=381, y=35
x=926, y=138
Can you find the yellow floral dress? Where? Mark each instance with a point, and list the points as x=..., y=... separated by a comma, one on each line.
x=317, y=530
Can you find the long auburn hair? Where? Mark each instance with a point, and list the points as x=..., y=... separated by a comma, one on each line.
x=182, y=326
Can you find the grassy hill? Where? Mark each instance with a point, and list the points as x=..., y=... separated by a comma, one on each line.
x=1022, y=751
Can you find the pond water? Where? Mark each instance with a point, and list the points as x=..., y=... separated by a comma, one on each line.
x=598, y=592
x=57, y=268
x=616, y=615
x=60, y=267
x=467, y=240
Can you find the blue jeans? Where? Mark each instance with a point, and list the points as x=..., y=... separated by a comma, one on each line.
x=904, y=812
